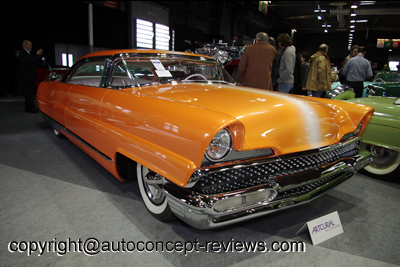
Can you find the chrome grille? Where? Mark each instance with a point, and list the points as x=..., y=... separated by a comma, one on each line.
x=232, y=179
x=307, y=188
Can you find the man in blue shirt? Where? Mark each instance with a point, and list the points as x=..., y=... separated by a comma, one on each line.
x=358, y=70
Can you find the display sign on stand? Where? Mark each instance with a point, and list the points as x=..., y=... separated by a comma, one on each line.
x=323, y=228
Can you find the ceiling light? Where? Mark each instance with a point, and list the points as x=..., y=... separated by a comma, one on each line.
x=353, y=14
x=326, y=30
x=352, y=26
x=352, y=21
x=361, y=20
x=354, y=6
x=319, y=17
x=352, y=30
x=363, y=3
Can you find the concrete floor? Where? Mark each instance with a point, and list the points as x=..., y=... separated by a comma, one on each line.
x=52, y=191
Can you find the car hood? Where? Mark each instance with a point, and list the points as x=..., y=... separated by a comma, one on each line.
x=286, y=123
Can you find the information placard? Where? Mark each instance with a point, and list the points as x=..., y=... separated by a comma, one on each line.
x=324, y=228
x=160, y=70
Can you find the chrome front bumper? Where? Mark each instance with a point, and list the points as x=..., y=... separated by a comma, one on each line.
x=205, y=211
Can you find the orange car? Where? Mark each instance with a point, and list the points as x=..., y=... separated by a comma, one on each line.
x=202, y=149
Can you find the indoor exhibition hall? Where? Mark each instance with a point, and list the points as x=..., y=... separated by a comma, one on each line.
x=226, y=133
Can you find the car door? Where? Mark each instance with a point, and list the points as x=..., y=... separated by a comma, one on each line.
x=52, y=98
x=85, y=95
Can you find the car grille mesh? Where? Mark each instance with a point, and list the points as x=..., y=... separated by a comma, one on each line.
x=307, y=188
x=233, y=179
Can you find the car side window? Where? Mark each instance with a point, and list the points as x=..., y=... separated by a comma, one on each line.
x=121, y=76
x=127, y=74
x=88, y=74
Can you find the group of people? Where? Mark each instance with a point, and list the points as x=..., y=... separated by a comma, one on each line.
x=264, y=66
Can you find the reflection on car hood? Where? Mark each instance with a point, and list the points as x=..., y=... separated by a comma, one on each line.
x=286, y=123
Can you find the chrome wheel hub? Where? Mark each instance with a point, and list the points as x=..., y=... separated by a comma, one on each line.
x=154, y=191
x=382, y=157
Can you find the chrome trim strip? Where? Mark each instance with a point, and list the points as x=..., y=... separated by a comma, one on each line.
x=88, y=145
x=57, y=125
x=239, y=156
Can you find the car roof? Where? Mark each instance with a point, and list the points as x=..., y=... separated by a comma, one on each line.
x=138, y=51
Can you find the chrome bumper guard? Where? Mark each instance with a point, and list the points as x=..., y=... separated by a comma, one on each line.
x=206, y=211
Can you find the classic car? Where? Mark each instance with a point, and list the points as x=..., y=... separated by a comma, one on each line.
x=44, y=71
x=201, y=148
x=228, y=55
x=382, y=137
x=385, y=84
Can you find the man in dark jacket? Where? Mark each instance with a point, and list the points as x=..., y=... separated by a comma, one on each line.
x=28, y=74
x=256, y=64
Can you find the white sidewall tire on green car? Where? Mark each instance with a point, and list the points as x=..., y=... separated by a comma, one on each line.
x=384, y=170
x=153, y=196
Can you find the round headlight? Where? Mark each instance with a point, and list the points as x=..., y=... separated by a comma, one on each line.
x=220, y=146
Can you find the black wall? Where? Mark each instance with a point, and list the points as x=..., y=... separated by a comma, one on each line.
x=45, y=23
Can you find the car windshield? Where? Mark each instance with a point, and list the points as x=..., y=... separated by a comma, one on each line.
x=388, y=77
x=129, y=72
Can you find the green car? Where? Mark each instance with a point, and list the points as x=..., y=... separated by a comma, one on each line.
x=385, y=84
x=382, y=136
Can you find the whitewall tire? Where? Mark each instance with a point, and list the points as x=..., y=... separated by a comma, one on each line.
x=385, y=164
x=153, y=196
